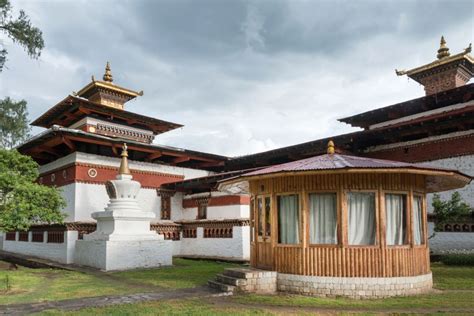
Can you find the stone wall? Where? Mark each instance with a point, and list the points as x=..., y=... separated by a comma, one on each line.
x=358, y=288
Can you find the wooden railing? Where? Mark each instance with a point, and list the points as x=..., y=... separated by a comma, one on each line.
x=10, y=236
x=352, y=261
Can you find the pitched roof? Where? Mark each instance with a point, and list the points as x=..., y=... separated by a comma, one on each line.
x=439, y=179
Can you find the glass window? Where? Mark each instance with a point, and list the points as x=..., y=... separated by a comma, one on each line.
x=268, y=225
x=418, y=234
x=323, y=218
x=202, y=211
x=288, y=219
x=361, y=208
x=396, y=219
x=260, y=217
x=252, y=219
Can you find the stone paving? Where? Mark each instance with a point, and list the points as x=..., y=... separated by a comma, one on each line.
x=100, y=301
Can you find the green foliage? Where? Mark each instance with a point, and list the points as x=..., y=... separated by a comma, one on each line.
x=458, y=259
x=22, y=201
x=14, y=128
x=449, y=211
x=20, y=31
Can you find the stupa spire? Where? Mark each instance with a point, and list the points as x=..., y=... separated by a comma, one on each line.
x=443, y=50
x=108, y=73
x=124, y=163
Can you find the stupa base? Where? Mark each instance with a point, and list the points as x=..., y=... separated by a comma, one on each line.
x=109, y=255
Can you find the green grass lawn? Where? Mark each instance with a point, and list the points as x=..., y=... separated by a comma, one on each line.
x=454, y=294
x=37, y=285
x=184, y=274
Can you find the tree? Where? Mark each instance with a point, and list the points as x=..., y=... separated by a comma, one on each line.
x=23, y=202
x=14, y=128
x=448, y=211
x=20, y=31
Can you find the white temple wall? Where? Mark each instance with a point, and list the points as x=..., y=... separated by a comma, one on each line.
x=237, y=247
x=465, y=164
x=60, y=252
x=450, y=242
x=115, y=162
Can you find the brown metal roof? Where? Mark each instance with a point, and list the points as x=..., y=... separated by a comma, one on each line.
x=438, y=179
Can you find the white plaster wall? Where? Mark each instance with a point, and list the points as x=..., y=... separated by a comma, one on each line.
x=69, y=194
x=447, y=242
x=237, y=247
x=91, y=198
x=123, y=255
x=63, y=253
x=465, y=164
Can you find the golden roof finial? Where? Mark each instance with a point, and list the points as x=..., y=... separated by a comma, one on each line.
x=443, y=50
x=108, y=73
x=331, y=147
x=124, y=163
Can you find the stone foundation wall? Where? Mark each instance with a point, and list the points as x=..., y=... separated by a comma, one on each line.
x=358, y=288
x=254, y=281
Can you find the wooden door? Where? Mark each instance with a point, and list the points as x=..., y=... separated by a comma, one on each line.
x=263, y=232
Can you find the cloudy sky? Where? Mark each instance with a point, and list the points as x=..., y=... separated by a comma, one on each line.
x=242, y=76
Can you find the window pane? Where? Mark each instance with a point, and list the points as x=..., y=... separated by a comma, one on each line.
x=288, y=219
x=396, y=218
x=418, y=235
x=252, y=219
x=267, y=217
x=361, y=207
x=323, y=218
x=260, y=217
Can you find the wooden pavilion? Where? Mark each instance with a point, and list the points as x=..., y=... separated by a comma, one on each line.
x=343, y=216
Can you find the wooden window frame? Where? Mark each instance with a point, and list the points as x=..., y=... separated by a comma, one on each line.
x=301, y=234
x=408, y=219
x=424, y=220
x=263, y=237
x=165, y=201
x=345, y=212
x=338, y=219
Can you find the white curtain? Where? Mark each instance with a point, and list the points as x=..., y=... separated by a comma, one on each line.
x=361, y=218
x=395, y=214
x=288, y=219
x=322, y=218
x=417, y=220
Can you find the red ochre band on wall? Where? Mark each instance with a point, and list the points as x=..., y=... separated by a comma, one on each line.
x=98, y=174
x=219, y=201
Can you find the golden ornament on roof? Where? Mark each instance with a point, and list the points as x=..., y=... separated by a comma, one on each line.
x=331, y=149
x=108, y=73
x=443, y=50
x=124, y=163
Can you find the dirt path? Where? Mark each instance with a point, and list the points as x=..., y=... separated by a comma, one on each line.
x=101, y=301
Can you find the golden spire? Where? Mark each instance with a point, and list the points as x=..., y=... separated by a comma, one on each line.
x=108, y=73
x=443, y=50
x=330, y=147
x=124, y=163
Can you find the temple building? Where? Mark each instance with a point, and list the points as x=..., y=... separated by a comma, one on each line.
x=79, y=151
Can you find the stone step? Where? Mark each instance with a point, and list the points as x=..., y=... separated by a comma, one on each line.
x=240, y=273
x=221, y=286
x=230, y=280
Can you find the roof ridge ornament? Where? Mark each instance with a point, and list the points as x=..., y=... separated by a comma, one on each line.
x=124, y=163
x=108, y=74
x=331, y=149
x=443, y=50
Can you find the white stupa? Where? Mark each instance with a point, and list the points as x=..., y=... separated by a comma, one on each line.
x=123, y=239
